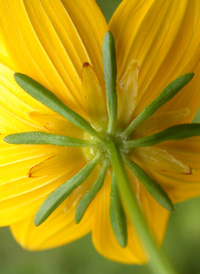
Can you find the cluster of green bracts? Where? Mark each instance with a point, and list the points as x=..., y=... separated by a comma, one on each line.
x=112, y=155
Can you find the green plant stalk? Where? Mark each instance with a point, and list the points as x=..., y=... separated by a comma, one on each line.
x=158, y=262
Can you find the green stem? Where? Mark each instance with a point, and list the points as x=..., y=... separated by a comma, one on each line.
x=158, y=262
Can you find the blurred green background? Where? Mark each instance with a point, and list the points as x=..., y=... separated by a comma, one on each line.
x=182, y=241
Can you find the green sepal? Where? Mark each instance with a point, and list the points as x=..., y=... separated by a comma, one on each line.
x=61, y=193
x=151, y=186
x=110, y=76
x=117, y=214
x=89, y=196
x=49, y=99
x=177, y=132
x=167, y=94
x=40, y=138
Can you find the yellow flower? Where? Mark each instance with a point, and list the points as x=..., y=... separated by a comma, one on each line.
x=59, y=44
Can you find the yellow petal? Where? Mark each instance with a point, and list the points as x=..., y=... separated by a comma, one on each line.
x=19, y=193
x=103, y=236
x=57, y=163
x=182, y=186
x=15, y=105
x=50, y=41
x=127, y=91
x=155, y=158
x=93, y=98
x=164, y=37
x=60, y=228
x=56, y=124
x=3, y=53
x=161, y=121
x=21, y=206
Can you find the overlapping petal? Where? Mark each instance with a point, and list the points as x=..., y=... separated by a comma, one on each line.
x=164, y=37
x=50, y=41
x=91, y=93
x=60, y=228
x=182, y=186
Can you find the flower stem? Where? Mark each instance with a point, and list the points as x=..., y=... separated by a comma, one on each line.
x=158, y=262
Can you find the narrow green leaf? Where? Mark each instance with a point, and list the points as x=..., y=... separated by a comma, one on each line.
x=167, y=94
x=61, y=193
x=89, y=196
x=152, y=187
x=49, y=99
x=110, y=76
x=117, y=214
x=178, y=132
x=40, y=138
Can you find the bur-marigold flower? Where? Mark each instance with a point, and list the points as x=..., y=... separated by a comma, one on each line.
x=59, y=44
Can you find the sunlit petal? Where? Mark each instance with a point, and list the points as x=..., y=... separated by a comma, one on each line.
x=164, y=37
x=45, y=33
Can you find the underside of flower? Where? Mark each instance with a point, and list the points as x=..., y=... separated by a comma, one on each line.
x=107, y=142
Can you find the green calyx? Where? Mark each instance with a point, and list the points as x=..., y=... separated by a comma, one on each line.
x=111, y=149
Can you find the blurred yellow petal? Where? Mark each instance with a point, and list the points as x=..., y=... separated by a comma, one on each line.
x=164, y=37
x=40, y=37
x=127, y=91
x=60, y=228
x=156, y=158
x=182, y=186
x=103, y=236
x=93, y=98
